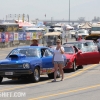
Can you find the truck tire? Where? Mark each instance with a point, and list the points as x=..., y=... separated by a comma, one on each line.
x=35, y=76
x=1, y=78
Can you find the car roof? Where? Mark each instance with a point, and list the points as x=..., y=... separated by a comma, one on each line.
x=24, y=47
x=68, y=45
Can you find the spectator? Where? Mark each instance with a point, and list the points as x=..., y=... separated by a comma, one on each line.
x=76, y=36
x=49, y=42
x=79, y=38
x=58, y=59
x=34, y=42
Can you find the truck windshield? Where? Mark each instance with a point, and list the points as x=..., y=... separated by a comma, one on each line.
x=95, y=29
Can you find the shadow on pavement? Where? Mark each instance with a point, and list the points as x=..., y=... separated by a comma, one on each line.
x=20, y=81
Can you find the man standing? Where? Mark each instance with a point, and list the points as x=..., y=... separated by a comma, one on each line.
x=34, y=42
x=76, y=36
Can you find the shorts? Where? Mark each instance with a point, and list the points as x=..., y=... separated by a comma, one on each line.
x=59, y=62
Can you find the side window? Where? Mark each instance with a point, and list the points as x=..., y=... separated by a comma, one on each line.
x=42, y=52
x=47, y=53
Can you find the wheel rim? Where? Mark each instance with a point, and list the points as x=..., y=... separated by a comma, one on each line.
x=74, y=66
x=36, y=74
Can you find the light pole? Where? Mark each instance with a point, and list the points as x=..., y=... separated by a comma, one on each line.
x=69, y=11
x=51, y=19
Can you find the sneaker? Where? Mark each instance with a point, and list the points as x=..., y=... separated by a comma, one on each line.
x=54, y=81
x=62, y=79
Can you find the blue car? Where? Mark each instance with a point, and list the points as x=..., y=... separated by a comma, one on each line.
x=28, y=62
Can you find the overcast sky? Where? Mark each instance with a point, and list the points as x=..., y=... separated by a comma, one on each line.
x=58, y=9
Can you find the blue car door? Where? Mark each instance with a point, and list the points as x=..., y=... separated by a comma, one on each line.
x=47, y=59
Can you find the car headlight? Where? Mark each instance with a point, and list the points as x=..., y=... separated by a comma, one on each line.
x=26, y=65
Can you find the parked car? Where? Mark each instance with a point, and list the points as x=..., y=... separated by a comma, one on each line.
x=76, y=58
x=82, y=32
x=72, y=32
x=28, y=62
x=84, y=45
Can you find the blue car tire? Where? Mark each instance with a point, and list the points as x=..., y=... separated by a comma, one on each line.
x=35, y=76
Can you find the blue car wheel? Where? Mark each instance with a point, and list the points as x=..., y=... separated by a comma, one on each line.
x=35, y=76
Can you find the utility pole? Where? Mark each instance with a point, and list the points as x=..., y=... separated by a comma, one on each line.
x=69, y=11
x=51, y=19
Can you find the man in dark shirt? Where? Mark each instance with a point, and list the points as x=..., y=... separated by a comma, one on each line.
x=34, y=42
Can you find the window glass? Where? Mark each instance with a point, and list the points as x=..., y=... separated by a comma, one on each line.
x=47, y=53
x=68, y=49
x=28, y=52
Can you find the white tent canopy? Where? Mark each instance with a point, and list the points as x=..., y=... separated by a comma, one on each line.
x=53, y=34
x=69, y=27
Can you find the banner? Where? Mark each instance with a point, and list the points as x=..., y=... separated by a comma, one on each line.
x=20, y=36
x=6, y=36
x=15, y=36
x=24, y=35
x=31, y=36
x=34, y=35
x=39, y=35
x=11, y=36
x=28, y=36
x=2, y=37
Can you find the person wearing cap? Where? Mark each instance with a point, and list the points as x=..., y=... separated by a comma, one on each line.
x=58, y=59
x=34, y=42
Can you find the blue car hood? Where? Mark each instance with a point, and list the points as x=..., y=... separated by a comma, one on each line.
x=19, y=59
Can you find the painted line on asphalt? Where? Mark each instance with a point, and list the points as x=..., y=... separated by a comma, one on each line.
x=67, y=92
x=83, y=70
x=40, y=83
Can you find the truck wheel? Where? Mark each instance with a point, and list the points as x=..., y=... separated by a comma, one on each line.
x=51, y=75
x=35, y=76
x=1, y=78
x=74, y=66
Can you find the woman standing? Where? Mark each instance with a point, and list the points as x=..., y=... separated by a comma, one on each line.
x=58, y=59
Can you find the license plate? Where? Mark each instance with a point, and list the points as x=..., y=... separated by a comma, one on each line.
x=8, y=73
x=49, y=71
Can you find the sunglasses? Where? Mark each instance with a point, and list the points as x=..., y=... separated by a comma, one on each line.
x=57, y=42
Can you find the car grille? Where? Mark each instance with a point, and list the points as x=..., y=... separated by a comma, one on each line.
x=10, y=66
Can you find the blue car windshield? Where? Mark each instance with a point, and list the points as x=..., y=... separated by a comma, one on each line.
x=32, y=52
